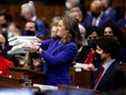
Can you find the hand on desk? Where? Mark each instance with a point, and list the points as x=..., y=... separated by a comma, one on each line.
x=87, y=67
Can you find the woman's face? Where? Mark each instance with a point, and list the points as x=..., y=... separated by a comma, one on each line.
x=61, y=29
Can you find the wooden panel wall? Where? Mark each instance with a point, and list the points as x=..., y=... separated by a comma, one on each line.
x=46, y=12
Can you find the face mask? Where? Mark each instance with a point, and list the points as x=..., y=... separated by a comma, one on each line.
x=95, y=14
x=30, y=33
x=91, y=43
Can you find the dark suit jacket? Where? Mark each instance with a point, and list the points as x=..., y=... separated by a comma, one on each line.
x=111, y=14
x=105, y=18
x=112, y=79
x=41, y=28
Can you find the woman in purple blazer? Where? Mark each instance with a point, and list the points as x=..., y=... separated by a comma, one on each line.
x=58, y=53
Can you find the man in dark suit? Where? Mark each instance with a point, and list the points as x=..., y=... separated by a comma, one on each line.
x=108, y=10
x=107, y=76
x=97, y=17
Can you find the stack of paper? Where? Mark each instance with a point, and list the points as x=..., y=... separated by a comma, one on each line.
x=45, y=87
x=20, y=43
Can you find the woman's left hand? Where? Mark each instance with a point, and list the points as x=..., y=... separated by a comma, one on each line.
x=32, y=47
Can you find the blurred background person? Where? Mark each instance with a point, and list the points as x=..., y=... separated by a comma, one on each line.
x=94, y=16
x=72, y=3
x=5, y=20
x=28, y=11
x=108, y=32
x=108, y=10
x=122, y=26
x=13, y=30
x=77, y=13
x=86, y=57
x=54, y=26
x=111, y=30
x=30, y=29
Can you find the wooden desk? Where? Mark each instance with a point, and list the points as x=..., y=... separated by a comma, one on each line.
x=35, y=77
x=82, y=79
x=10, y=82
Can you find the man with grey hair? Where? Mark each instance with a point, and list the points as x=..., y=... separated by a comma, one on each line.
x=29, y=13
x=71, y=3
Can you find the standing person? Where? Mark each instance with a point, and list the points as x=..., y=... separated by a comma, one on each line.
x=108, y=10
x=77, y=13
x=29, y=13
x=59, y=53
x=94, y=17
x=5, y=20
x=30, y=29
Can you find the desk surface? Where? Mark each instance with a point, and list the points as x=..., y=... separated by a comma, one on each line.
x=10, y=82
x=21, y=73
x=19, y=69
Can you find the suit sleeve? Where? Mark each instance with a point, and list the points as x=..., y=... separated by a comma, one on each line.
x=41, y=29
x=45, y=44
x=64, y=56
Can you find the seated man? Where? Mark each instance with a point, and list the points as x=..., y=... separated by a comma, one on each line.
x=107, y=77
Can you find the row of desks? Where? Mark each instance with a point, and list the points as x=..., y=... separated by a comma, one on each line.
x=19, y=76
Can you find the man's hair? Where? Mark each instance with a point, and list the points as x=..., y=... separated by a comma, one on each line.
x=109, y=45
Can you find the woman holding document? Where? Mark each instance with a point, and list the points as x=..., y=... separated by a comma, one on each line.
x=59, y=52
